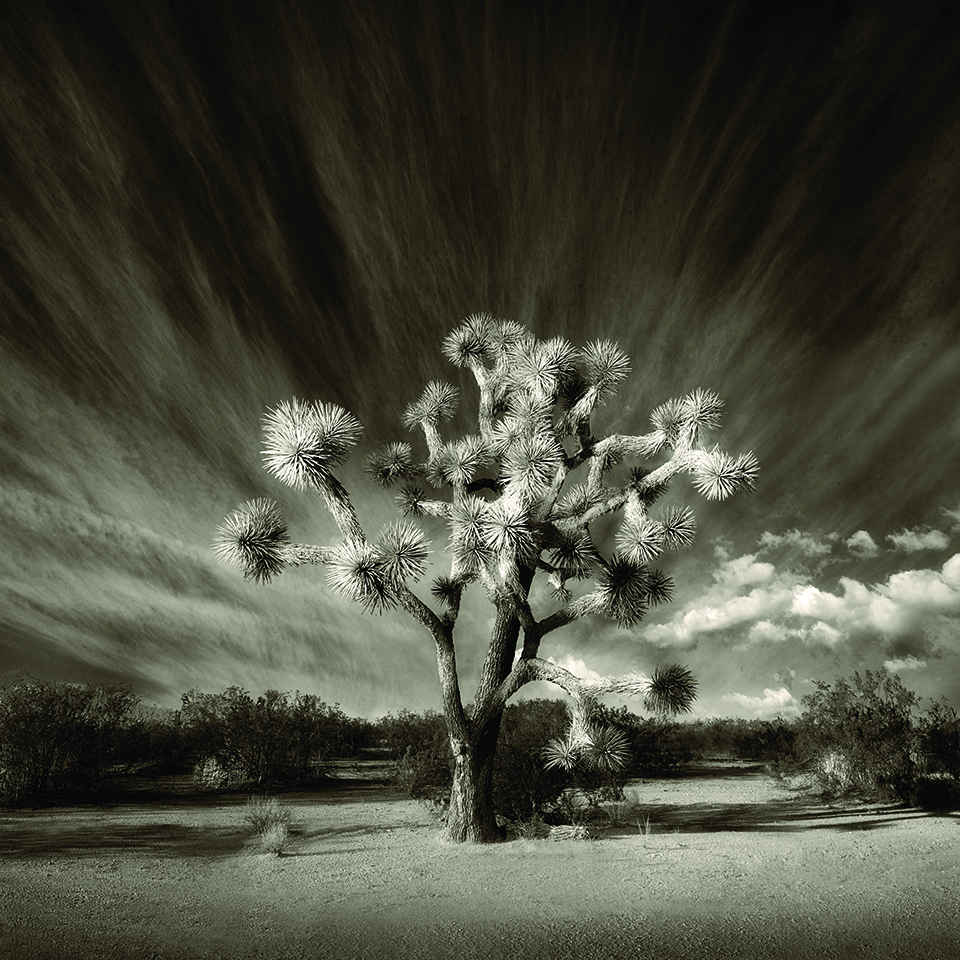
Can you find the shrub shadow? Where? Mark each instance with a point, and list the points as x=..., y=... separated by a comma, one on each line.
x=166, y=840
x=791, y=815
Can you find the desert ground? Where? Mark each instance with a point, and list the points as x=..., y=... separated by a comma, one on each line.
x=731, y=864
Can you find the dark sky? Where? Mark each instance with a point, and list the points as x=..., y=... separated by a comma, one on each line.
x=210, y=208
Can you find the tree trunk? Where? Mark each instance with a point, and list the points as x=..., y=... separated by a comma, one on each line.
x=470, y=818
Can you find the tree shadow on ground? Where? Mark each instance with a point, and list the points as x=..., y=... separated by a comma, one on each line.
x=783, y=816
x=165, y=840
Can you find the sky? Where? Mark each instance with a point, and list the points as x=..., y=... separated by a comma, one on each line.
x=211, y=208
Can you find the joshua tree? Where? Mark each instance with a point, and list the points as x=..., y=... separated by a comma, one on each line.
x=512, y=511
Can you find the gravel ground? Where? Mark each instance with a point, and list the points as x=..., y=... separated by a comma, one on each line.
x=733, y=865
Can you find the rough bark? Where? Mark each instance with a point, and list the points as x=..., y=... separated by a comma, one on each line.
x=471, y=818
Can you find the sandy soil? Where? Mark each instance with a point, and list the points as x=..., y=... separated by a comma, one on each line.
x=735, y=865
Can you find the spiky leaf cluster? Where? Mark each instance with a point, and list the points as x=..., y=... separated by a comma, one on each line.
x=561, y=754
x=508, y=531
x=437, y=404
x=605, y=748
x=622, y=591
x=679, y=528
x=606, y=366
x=358, y=572
x=576, y=501
x=471, y=343
x=542, y=369
x=403, y=551
x=591, y=745
x=393, y=463
x=303, y=442
x=530, y=464
x=468, y=536
x=719, y=475
x=459, y=462
x=253, y=537
x=671, y=690
x=659, y=588
x=447, y=590
x=573, y=554
x=410, y=500
x=701, y=410
x=667, y=420
x=641, y=540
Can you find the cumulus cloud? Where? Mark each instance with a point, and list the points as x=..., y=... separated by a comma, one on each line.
x=576, y=666
x=912, y=613
x=906, y=663
x=772, y=703
x=953, y=516
x=861, y=544
x=807, y=544
x=913, y=541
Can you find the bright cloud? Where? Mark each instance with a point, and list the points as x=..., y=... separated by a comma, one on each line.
x=577, y=667
x=755, y=604
x=744, y=571
x=953, y=516
x=805, y=543
x=907, y=663
x=773, y=703
x=912, y=541
x=861, y=544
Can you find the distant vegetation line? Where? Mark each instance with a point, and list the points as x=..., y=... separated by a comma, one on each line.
x=62, y=741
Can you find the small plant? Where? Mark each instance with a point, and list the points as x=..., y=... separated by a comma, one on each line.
x=270, y=821
x=275, y=839
x=624, y=811
x=644, y=825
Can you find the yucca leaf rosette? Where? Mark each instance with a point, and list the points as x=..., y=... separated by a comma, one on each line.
x=437, y=404
x=403, y=551
x=667, y=420
x=530, y=465
x=679, y=528
x=253, y=537
x=640, y=540
x=303, y=442
x=508, y=531
x=391, y=464
x=470, y=344
x=607, y=366
x=621, y=593
x=701, y=410
x=718, y=475
x=468, y=536
x=671, y=690
x=357, y=572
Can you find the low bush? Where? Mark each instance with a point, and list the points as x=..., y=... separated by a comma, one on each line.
x=58, y=739
x=269, y=820
x=868, y=737
x=275, y=738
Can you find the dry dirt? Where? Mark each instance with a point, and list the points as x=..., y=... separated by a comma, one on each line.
x=735, y=865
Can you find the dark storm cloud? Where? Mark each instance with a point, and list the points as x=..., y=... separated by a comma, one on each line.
x=209, y=208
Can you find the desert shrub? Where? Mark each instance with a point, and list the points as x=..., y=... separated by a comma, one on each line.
x=270, y=821
x=939, y=741
x=656, y=744
x=58, y=739
x=275, y=738
x=420, y=749
x=426, y=773
x=860, y=736
x=523, y=787
x=407, y=732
